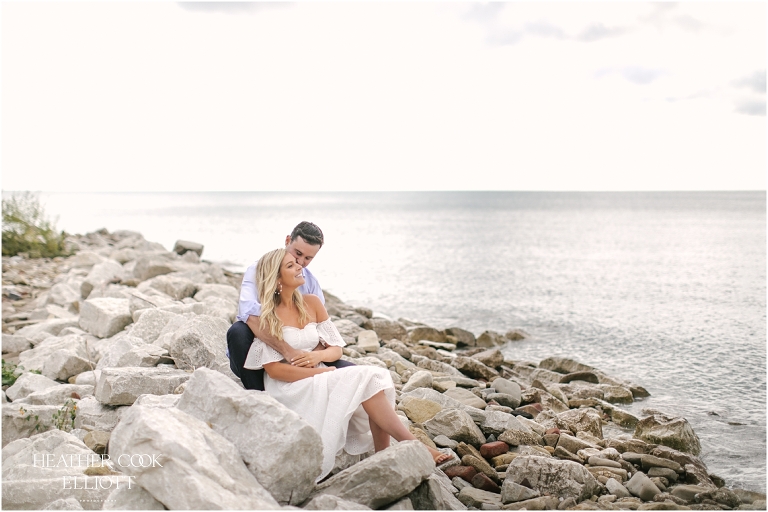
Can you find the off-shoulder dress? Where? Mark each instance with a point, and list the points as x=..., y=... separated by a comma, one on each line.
x=330, y=401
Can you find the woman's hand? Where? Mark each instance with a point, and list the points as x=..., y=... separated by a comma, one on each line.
x=308, y=359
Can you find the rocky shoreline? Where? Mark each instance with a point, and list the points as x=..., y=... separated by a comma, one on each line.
x=123, y=399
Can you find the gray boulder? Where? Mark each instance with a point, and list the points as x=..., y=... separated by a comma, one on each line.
x=196, y=467
x=104, y=317
x=93, y=415
x=382, y=478
x=202, y=341
x=121, y=386
x=101, y=274
x=561, y=478
x=672, y=431
x=25, y=420
x=286, y=464
x=57, y=395
x=457, y=425
x=28, y=383
x=386, y=329
x=436, y=493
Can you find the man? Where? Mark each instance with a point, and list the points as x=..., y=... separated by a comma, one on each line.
x=303, y=243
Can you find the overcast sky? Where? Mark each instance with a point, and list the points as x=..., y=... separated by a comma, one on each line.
x=142, y=96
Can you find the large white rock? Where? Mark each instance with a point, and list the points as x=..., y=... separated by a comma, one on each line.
x=104, y=317
x=57, y=395
x=28, y=383
x=62, y=364
x=498, y=422
x=24, y=420
x=368, y=341
x=153, y=265
x=122, y=386
x=93, y=415
x=330, y=502
x=116, y=348
x=560, y=478
x=100, y=276
x=14, y=344
x=40, y=456
x=90, y=491
x=196, y=468
x=145, y=355
x=281, y=450
x=436, y=493
x=80, y=345
x=151, y=323
x=202, y=341
x=36, y=333
x=174, y=286
x=384, y=477
x=224, y=291
x=419, y=379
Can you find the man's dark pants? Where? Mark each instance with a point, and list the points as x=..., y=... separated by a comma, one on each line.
x=239, y=339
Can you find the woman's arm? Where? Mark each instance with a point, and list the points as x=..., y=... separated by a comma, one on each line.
x=288, y=373
x=318, y=354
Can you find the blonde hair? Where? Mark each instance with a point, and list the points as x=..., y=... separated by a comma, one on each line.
x=267, y=274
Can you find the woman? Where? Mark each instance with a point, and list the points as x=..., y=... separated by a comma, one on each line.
x=353, y=407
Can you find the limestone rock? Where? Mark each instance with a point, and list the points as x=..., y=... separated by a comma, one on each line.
x=382, y=478
x=202, y=341
x=419, y=410
x=93, y=415
x=435, y=366
x=419, y=333
x=25, y=420
x=182, y=246
x=561, y=478
x=457, y=425
x=104, y=317
x=674, y=432
x=368, y=341
x=174, y=286
x=642, y=487
x=196, y=468
x=330, y=502
x=14, y=344
x=121, y=386
x=286, y=465
x=386, y=329
x=474, y=368
x=479, y=499
x=101, y=274
x=62, y=364
x=581, y=420
x=57, y=395
x=466, y=397
x=490, y=339
x=463, y=337
x=497, y=422
x=28, y=383
x=419, y=379
x=152, y=265
x=224, y=291
x=492, y=358
x=512, y=492
x=39, y=456
x=436, y=493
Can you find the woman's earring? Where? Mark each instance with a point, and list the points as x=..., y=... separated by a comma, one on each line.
x=279, y=288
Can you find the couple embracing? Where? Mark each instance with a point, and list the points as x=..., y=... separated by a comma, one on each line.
x=284, y=343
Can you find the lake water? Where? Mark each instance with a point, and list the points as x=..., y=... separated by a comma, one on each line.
x=665, y=289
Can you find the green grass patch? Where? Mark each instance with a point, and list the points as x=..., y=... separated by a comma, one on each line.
x=27, y=229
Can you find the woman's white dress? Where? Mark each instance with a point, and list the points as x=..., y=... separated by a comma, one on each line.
x=331, y=401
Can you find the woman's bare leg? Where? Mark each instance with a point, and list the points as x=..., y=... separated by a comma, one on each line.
x=383, y=415
x=380, y=437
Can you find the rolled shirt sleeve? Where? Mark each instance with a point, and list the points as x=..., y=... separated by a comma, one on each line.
x=248, y=304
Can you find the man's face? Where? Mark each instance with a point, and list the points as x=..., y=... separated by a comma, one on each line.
x=301, y=250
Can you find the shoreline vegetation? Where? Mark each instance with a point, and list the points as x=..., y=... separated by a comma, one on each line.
x=117, y=394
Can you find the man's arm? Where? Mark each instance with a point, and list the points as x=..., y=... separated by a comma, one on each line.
x=287, y=351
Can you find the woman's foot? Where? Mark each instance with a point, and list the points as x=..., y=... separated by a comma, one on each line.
x=439, y=457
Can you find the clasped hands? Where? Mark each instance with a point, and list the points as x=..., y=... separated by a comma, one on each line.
x=306, y=359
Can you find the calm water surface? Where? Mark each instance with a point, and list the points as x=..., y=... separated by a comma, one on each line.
x=664, y=289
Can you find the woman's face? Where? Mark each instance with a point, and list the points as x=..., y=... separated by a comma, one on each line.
x=291, y=273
